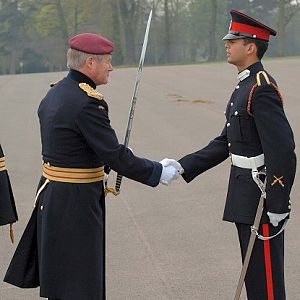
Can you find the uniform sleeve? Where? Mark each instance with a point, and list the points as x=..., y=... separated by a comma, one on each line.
x=213, y=154
x=8, y=212
x=94, y=124
x=278, y=146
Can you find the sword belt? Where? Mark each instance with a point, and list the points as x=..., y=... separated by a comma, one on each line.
x=253, y=163
x=2, y=164
x=248, y=162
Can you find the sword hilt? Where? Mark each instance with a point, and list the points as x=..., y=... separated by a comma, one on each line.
x=118, y=182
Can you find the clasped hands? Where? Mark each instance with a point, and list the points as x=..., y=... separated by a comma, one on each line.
x=171, y=170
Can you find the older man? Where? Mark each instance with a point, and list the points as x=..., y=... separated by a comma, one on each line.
x=63, y=247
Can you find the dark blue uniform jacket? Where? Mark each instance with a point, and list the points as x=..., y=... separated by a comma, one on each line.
x=63, y=246
x=265, y=130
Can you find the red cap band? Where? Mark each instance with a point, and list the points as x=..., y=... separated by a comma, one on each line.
x=244, y=28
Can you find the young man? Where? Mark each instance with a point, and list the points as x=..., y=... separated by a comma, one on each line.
x=256, y=135
x=8, y=212
x=63, y=246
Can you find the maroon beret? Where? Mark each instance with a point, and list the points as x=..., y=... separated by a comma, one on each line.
x=91, y=43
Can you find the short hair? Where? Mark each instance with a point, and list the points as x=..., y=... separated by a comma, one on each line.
x=261, y=46
x=76, y=59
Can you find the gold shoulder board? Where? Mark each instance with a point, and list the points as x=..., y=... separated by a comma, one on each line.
x=90, y=91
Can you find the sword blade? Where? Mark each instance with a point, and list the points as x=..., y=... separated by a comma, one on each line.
x=135, y=92
x=250, y=247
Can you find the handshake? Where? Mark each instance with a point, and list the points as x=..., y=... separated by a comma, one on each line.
x=171, y=170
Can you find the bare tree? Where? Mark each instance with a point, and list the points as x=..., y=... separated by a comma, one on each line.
x=130, y=12
x=62, y=22
x=212, y=32
x=167, y=32
x=286, y=11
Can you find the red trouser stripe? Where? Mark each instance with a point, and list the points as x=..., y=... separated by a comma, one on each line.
x=268, y=264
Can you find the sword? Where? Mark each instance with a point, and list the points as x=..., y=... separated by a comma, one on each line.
x=252, y=238
x=134, y=97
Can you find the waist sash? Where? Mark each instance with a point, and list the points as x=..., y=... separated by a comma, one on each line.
x=73, y=175
x=2, y=164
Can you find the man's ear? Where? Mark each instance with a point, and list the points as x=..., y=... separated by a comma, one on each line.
x=251, y=48
x=89, y=61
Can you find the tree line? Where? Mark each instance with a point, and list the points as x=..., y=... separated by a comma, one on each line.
x=34, y=33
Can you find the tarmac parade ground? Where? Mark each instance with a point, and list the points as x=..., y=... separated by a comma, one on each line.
x=167, y=242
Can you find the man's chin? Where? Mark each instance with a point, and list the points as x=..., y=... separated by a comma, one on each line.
x=230, y=61
x=103, y=82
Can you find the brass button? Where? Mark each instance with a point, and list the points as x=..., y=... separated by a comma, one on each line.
x=229, y=144
x=42, y=207
x=237, y=87
x=228, y=124
x=231, y=103
x=289, y=207
x=236, y=113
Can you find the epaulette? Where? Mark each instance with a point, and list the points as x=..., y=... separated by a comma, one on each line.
x=261, y=75
x=52, y=84
x=90, y=91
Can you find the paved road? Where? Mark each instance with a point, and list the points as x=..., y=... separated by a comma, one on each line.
x=168, y=242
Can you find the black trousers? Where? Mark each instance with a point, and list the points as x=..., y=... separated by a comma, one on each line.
x=265, y=275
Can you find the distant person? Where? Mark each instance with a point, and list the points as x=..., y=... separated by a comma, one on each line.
x=8, y=212
x=63, y=247
x=256, y=135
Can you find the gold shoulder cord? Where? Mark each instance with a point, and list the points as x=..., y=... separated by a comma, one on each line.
x=264, y=75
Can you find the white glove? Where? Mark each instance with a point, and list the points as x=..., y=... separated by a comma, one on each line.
x=171, y=170
x=172, y=162
x=276, y=218
x=168, y=174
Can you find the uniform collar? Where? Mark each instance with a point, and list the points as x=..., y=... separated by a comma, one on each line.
x=251, y=70
x=244, y=74
x=80, y=77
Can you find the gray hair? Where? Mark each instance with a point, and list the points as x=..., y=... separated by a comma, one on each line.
x=76, y=59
